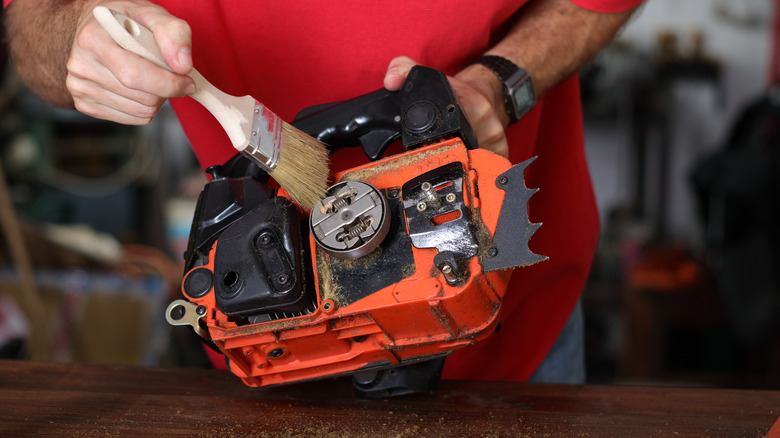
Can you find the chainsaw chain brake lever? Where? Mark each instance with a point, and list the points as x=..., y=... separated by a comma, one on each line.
x=422, y=111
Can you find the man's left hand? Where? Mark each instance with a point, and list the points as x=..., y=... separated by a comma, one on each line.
x=479, y=94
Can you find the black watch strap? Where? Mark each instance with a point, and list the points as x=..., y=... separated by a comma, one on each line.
x=518, y=90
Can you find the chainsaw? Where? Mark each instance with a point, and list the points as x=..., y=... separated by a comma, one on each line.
x=405, y=260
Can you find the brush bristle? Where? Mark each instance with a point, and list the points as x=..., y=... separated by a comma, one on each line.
x=303, y=167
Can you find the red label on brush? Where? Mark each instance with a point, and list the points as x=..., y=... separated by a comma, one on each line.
x=274, y=126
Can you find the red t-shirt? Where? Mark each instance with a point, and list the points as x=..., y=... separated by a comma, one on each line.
x=291, y=55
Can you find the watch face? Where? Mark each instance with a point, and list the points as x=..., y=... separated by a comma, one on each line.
x=522, y=97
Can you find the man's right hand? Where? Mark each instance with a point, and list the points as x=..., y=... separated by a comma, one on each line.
x=107, y=82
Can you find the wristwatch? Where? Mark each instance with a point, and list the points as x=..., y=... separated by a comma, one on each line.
x=518, y=93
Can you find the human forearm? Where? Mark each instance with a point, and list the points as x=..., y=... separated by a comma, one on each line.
x=551, y=40
x=40, y=34
x=68, y=59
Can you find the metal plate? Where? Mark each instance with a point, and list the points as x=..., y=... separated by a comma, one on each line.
x=510, y=243
x=441, y=223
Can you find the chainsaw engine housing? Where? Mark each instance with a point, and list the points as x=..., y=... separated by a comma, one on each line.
x=402, y=263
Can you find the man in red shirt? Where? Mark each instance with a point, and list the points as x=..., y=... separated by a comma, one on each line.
x=290, y=55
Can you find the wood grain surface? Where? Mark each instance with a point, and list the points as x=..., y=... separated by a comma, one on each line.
x=70, y=400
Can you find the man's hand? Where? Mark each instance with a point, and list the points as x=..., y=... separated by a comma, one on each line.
x=108, y=82
x=479, y=94
x=75, y=63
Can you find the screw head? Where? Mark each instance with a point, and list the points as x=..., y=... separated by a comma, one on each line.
x=492, y=252
x=503, y=180
x=200, y=310
x=265, y=239
x=422, y=206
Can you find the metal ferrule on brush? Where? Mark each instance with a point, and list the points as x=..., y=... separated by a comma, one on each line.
x=265, y=140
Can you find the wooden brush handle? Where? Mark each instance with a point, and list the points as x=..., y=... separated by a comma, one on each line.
x=232, y=112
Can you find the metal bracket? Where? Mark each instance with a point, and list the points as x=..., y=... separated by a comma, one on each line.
x=181, y=312
x=510, y=243
x=436, y=215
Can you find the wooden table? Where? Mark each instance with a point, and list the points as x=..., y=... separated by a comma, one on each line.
x=45, y=399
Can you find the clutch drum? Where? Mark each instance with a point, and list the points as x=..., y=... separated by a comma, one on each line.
x=351, y=221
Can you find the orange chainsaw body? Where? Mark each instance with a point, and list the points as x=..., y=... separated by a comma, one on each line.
x=421, y=316
x=405, y=260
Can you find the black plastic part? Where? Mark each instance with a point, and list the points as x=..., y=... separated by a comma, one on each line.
x=371, y=120
x=198, y=282
x=261, y=265
x=430, y=111
x=222, y=201
x=407, y=379
x=239, y=166
x=421, y=117
x=514, y=230
x=423, y=111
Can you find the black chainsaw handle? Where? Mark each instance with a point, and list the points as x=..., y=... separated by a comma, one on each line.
x=424, y=110
x=372, y=121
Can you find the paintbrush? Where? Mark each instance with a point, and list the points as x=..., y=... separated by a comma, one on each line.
x=297, y=161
